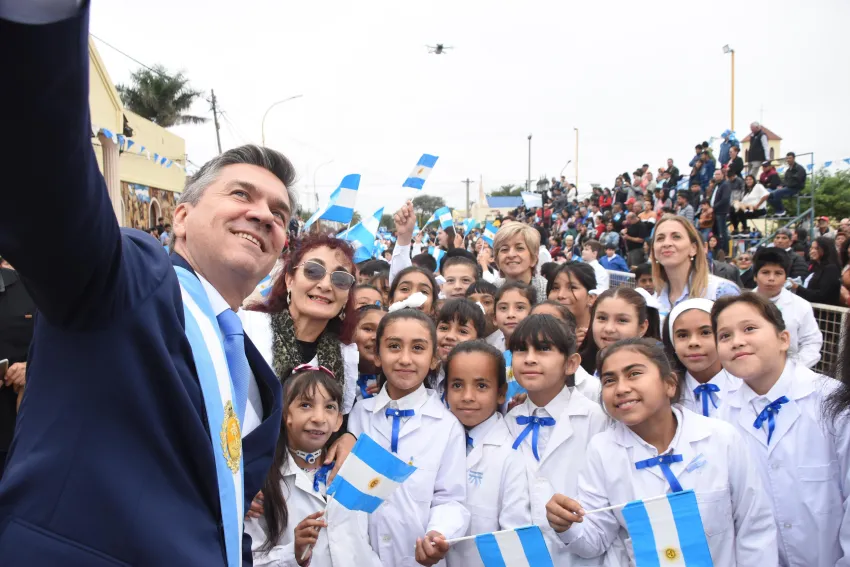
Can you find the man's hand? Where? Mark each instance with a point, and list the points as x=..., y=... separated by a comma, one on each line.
x=405, y=220
x=431, y=549
x=16, y=376
x=306, y=534
x=563, y=512
x=339, y=452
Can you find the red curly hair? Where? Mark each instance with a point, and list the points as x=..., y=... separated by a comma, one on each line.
x=276, y=301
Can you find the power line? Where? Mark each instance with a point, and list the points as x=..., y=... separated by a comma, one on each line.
x=130, y=57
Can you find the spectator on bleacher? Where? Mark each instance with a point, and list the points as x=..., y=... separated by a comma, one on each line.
x=618, y=216
x=695, y=197
x=708, y=168
x=680, y=267
x=745, y=270
x=649, y=183
x=590, y=254
x=673, y=171
x=634, y=234
x=728, y=142
x=684, y=207
x=844, y=258
x=795, y=181
x=706, y=219
x=613, y=261
x=823, y=284
x=800, y=243
x=824, y=229
x=646, y=214
x=661, y=201
x=769, y=177
x=610, y=236
x=752, y=204
x=643, y=278
x=697, y=155
x=759, y=148
x=721, y=202
x=543, y=255
x=783, y=240
x=606, y=200
x=736, y=164
x=718, y=266
x=711, y=246
x=771, y=269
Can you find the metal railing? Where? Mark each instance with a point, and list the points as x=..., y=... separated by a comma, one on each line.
x=830, y=320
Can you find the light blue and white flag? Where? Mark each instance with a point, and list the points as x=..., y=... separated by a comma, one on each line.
x=514, y=548
x=531, y=200
x=489, y=233
x=667, y=531
x=444, y=215
x=362, y=236
x=340, y=207
x=368, y=476
x=468, y=225
x=430, y=220
x=420, y=172
x=682, y=185
x=439, y=253
x=265, y=286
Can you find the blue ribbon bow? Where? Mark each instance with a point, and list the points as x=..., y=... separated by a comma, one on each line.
x=664, y=461
x=397, y=414
x=363, y=382
x=469, y=444
x=322, y=476
x=532, y=425
x=708, y=392
x=768, y=414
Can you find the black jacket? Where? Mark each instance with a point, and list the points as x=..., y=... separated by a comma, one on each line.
x=724, y=198
x=795, y=177
x=825, y=285
x=736, y=165
x=758, y=150
x=748, y=279
x=726, y=271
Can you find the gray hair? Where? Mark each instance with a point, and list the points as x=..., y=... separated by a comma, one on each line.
x=756, y=124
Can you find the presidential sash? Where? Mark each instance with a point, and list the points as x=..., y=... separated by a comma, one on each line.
x=207, y=344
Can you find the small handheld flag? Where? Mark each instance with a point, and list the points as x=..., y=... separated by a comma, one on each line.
x=420, y=172
x=368, y=476
x=444, y=215
x=667, y=531
x=522, y=547
x=340, y=207
x=468, y=225
x=362, y=236
x=489, y=233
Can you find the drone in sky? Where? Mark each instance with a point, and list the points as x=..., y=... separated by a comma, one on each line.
x=438, y=49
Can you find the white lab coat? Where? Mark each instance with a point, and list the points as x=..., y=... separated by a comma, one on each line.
x=716, y=465
x=560, y=462
x=727, y=383
x=496, y=492
x=799, y=317
x=433, y=440
x=602, y=277
x=804, y=469
x=589, y=385
x=344, y=543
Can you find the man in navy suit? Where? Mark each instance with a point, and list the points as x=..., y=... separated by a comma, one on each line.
x=113, y=460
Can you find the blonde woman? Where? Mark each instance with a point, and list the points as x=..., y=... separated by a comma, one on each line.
x=516, y=246
x=679, y=266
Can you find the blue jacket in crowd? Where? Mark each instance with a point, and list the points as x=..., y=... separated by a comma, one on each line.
x=615, y=263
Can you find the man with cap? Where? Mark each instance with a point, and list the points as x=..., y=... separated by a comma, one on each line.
x=769, y=178
x=784, y=239
x=824, y=229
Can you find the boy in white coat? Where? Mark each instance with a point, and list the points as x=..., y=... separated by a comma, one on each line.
x=497, y=485
x=771, y=266
x=553, y=427
x=803, y=457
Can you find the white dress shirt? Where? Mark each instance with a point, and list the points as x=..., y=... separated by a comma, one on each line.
x=799, y=317
x=727, y=383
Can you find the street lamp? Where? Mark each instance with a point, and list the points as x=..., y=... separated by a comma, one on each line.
x=263, y=124
x=576, y=129
x=528, y=179
x=727, y=49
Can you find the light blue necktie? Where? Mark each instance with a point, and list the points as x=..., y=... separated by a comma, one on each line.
x=532, y=425
x=664, y=462
x=397, y=414
x=234, y=350
x=708, y=392
x=768, y=414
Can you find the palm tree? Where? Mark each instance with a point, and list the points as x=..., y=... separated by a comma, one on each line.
x=160, y=97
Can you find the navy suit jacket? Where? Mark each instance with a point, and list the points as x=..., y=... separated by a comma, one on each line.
x=112, y=461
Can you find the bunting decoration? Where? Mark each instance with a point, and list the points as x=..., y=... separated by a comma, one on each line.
x=127, y=145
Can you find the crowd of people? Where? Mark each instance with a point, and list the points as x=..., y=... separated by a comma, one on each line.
x=166, y=414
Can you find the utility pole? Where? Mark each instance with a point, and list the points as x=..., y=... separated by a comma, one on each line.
x=215, y=119
x=528, y=181
x=467, y=181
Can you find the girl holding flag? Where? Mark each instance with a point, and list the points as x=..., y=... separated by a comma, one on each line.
x=658, y=447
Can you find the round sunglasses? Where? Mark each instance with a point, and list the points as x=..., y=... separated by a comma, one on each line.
x=316, y=272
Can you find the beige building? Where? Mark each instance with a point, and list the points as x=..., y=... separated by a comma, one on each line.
x=141, y=189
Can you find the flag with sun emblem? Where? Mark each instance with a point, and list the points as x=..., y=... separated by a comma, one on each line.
x=420, y=172
x=668, y=531
x=368, y=476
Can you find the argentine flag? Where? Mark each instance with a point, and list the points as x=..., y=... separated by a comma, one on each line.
x=514, y=548
x=468, y=225
x=430, y=220
x=265, y=286
x=420, y=172
x=362, y=236
x=489, y=233
x=667, y=531
x=444, y=215
x=368, y=476
x=340, y=207
x=438, y=254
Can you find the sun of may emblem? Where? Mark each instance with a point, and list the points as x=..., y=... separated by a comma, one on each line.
x=374, y=482
x=671, y=554
x=421, y=169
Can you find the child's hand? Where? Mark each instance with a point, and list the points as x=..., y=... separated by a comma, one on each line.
x=306, y=534
x=404, y=220
x=563, y=512
x=431, y=549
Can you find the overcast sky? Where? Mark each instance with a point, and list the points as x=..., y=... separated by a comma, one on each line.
x=642, y=81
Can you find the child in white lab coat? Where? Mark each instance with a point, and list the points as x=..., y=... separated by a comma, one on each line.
x=459, y=320
x=414, y=522
x=514, y=301
x=497, y=486
x=550, y=429
x=585, y=383
x=654, y=448
x=802, y=455
x=368, y=317
x=619, y=313
x=296, y=528
x=570, y=286
x=692, y=350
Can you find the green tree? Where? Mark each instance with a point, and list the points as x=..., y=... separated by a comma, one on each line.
x=832, y=197
x=387, y=222
x=160, y=97
x=356, y=218
x=425, y=205
x=508, y=191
